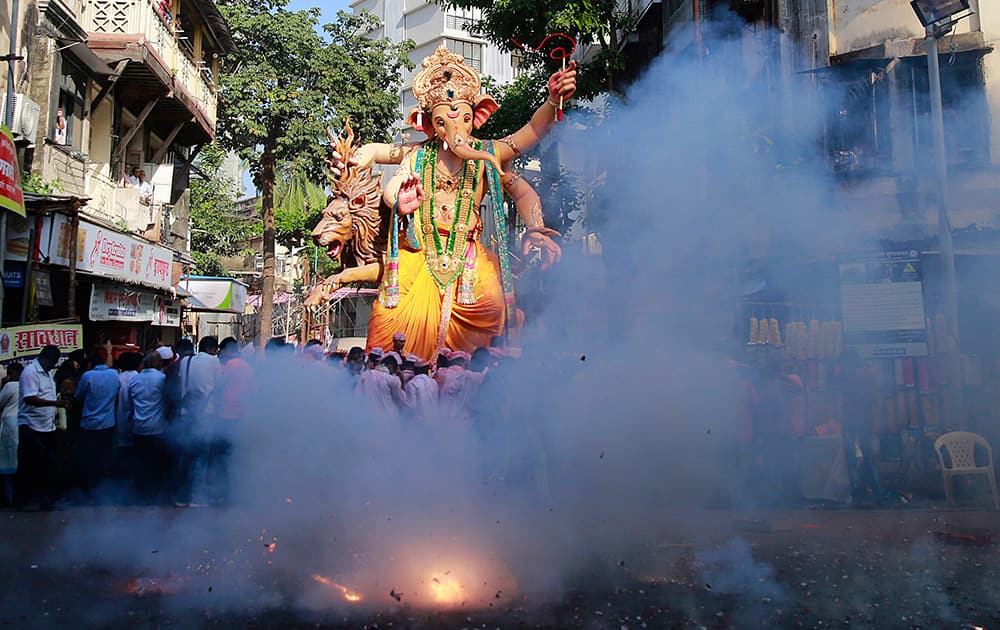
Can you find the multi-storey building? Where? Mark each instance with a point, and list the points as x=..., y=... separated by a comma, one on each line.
x=108, y=86
x=429, y=25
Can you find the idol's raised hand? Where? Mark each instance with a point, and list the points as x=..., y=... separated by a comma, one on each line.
x=411, y=195
x=541, y=238
x=563, y=83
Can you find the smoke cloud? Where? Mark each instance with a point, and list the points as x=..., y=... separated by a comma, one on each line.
x=619, y=411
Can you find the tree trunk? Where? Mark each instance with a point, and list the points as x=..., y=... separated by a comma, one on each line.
x=306, y=329
x=267, y=162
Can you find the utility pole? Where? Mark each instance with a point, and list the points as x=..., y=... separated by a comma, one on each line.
x=949, y=280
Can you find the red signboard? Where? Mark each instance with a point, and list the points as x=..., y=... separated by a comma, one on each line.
x=11, y=195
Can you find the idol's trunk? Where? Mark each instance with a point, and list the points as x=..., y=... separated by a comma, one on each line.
x=460, y=147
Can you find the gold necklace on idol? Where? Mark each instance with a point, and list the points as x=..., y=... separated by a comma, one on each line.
x=445, y=261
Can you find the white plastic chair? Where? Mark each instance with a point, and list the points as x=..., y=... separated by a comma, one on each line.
x=961, y=450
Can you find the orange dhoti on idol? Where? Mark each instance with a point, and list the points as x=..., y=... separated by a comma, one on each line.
x=421, y=305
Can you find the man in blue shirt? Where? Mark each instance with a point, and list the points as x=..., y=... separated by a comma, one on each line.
x=147, y=408
x=98, y=396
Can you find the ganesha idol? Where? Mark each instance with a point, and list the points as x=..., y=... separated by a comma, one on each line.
x=443, y=261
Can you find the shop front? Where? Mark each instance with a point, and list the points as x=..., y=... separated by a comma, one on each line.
x=132, y=317
x=127, y=286
x=802, y=325
x=44, y=236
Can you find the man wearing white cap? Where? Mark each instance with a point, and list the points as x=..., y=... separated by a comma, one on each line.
x=375, y=357
x=458, y=386
x=422, y=393
x=380, y=386
x=398, y=342
x=167, y=354
x=395, y=357
x=406, y=368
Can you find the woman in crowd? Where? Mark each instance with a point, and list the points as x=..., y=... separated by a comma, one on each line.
x=8, y=430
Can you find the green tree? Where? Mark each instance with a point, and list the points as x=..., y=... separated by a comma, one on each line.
x=518, y=101
x=298, y=204
x=589, y=22
x=286, y=83
x=216, y=230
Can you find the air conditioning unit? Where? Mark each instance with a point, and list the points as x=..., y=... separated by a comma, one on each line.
x=26, y=113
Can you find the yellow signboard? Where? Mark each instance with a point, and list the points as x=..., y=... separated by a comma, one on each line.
x=27, y=341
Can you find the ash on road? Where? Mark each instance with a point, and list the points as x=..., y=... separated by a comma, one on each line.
x=743, y=569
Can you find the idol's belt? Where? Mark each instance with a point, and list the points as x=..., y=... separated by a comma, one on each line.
x=472, y=236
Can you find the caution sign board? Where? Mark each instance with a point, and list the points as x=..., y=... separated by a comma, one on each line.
x=883, y=305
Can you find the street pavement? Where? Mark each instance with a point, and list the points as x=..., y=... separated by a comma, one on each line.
x=903, y=568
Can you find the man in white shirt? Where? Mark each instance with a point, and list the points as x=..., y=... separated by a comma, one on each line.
x=145, y=189
x=382, y=387
x=458, y=386
x=422, y=393
x=199, y=379
x=36, y=416
x=198, y=375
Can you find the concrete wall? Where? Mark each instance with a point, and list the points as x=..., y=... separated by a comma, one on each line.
x=27, y=20
x=55, y=163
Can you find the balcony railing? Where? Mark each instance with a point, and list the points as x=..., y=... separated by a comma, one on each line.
x=636, y=8
x=73, y=8
x=142, y=17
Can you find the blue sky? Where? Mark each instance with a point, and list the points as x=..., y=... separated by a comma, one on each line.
x=328, y=7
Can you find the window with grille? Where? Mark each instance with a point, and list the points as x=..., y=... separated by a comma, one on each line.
x=72, y=97
x=471, y=53
x=461, y=20
x=860, y=129
x=518, y=62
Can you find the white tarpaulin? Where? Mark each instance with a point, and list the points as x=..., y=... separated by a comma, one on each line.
x=216, y=294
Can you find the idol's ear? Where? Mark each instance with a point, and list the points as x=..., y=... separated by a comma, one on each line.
x=419, y=121
x=485, y=107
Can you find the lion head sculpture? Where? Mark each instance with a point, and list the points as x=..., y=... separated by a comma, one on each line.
x=349, y=229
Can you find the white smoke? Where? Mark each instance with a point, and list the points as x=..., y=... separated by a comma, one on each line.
x=618, y=410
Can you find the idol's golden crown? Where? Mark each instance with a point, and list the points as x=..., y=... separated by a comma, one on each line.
x=445, y=79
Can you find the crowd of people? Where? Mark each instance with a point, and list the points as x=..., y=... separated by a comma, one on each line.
x=157, y=428
x=135, y=177
x=773, y=416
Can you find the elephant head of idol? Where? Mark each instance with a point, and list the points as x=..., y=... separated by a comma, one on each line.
x=450, y=105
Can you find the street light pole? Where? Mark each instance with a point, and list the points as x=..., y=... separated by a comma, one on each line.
x=949, y=280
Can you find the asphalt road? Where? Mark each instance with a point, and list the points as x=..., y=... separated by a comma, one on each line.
x=717, y=569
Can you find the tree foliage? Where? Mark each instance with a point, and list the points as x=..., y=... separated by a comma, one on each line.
x=286, y=83
x=216, y=230
x=298, y=204
x=589, y=22
x=518, y=101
